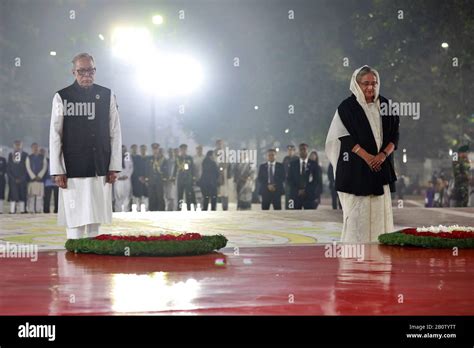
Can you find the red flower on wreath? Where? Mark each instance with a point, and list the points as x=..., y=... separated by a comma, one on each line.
x=448, y=235
x=162, y=237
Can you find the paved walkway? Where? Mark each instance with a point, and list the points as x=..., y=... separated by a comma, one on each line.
x=243, y=228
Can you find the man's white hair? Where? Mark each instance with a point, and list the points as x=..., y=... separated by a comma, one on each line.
x=80, y=56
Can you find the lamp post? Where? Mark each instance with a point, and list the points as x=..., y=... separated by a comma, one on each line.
x=160, y=73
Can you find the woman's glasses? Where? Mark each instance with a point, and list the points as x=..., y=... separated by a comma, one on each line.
x=367, y=84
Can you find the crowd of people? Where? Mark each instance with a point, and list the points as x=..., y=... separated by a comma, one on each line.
x=173, y=180
x=177, y=181
x=30, y=187
x=456, y=190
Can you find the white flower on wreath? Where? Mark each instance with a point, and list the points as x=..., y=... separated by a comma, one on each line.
x=153, y=233
x=442, y=228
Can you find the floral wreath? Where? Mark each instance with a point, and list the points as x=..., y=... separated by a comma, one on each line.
x=432, y=237
x=184, y=244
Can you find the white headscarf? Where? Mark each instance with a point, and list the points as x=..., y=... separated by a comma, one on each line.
x=337, y=128
x=355, y=88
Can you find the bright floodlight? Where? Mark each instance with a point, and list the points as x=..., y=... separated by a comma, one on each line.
x=445, y=45
x=157, y=20
x=170, y=75
x=131, y=44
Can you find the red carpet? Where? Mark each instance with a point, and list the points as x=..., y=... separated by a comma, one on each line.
x=287, y=280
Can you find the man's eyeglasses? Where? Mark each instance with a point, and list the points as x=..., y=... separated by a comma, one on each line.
x=84, y=72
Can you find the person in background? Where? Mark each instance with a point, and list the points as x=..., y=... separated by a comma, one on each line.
x=184, y=172
x=17, y=176
x=438, y=196
x=461, y=171
x=123, y=185
x=36, y=166
x=271, y=176
x=50, y=187
x=319, y=180
x=401, y=186
x=139, y=189
x=332, y=188
x=303, y=177
x=169, y=182
x=446, y=197
x=197, y=160
x=430, y=195
x=154, y=178
x=225, y=173
x=135, y=158
x=244, y=180
x=3, y=172
x=208, y=181
x=291, y=156
x=443, y=191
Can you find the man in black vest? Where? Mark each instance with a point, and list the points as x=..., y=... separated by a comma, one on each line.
x=85, y=150
x=302, y=178
x=271, y=176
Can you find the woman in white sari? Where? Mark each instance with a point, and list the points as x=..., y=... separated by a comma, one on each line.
x=359, y=145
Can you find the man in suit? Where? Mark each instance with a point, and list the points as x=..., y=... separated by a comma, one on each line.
x=17, y=178
x=291, y=156
x=154, y=174
x=302, y=178
x=271, y=176
x=139, y=187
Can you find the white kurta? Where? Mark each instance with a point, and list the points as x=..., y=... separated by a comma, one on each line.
x=85, y=200
x=197, y=161
x=123, y=188
x=364, y=217
x=35, y=188
x=224, y=189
